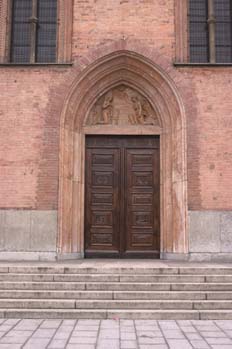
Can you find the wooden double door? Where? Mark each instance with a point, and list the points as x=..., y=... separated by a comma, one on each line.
x=122, y=197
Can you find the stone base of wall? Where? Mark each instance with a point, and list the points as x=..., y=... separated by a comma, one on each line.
x=174, y=256
x=27, y=234
x=70, y=256
x=28, y=256
x=210, y=232
x=32, y=235
x=210, y=257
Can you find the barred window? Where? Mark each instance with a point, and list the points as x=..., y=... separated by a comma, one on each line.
x=210, y=31
x=34, y=31
x=223, y=41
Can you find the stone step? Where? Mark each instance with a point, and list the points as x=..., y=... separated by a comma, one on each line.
x=17, y=313
x=116, y=304
x=105, y=278
x=154, y=304
x=116, y=314
x=156, y=295
x=37, y=285
x=38, y=303
x=169, y=314
x=113, y=286
x=87, y=270
x=123, y=286
x=54, y=295
x=81, y=269
x=100, y=292
x=161, y=278
x=201, y=286
x=125, y=278
x=60, y=277
x=205, y=270
x=97, y=286
x=171, y=295
x=115, y=295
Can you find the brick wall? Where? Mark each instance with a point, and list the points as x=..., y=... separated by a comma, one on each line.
x=99, y=22
x=29, y=111
x=210, y=140
x=31, y=102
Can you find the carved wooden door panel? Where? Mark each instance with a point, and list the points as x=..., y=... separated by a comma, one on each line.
x=102, y=200
x=142, y=201
x=122, y=196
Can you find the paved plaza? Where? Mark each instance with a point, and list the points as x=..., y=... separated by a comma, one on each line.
x=114, y=334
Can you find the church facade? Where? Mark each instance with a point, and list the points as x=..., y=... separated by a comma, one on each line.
x=116, y=129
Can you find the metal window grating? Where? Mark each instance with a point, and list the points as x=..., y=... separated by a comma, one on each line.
x=223, y=14
x=20, y=35
x=46, y=33
x=46, y=41
x=198, y=31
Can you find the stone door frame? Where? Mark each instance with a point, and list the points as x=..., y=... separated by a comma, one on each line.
x=149, y=79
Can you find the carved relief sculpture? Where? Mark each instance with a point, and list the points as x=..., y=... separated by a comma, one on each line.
x=122, y=106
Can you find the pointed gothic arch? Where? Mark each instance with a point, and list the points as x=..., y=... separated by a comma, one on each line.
x=149, y=80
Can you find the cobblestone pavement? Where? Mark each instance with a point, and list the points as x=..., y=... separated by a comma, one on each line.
x=114, y=334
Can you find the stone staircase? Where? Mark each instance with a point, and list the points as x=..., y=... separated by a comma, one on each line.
x=126, y=292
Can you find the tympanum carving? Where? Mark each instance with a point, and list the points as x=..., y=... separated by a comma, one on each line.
x=122, y=106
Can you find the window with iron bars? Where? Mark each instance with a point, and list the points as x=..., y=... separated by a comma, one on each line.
x=210, y=31
x=33, y=31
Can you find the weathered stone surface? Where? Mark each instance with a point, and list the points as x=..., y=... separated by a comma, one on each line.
x=158, y=295
x=161, y=278
x=220, y=278
x=2, y=219
x=133, y=304
x=43, y=230
x=43, y=286
x=26, y=231
x=154, y=314
x=226, y=231
x=17, y=230
x=216, y=315
x=87, y=278
x=36, y=269
x=27, y=256
x=219, y=257
x=53, y=314
x=205, y=270
x=48, y=294
x=37, y=304
x=129, y=286
x=213, y=305
x=204, y=231
x=202, y=287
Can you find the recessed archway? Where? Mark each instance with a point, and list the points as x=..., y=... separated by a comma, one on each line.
x=142, y=75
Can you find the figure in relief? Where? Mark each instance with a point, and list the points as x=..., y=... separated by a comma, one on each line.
x=107, y=108
x=137, y=117
x=122, y=106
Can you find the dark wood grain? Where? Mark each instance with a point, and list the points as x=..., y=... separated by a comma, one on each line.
x=122, y=197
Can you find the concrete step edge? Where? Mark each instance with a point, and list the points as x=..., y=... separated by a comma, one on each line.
x=103, y=272
x=117, y=314
x=69, y=268
x=114, y=291
x=114, y=283
x=142, y=292
x=90, y=301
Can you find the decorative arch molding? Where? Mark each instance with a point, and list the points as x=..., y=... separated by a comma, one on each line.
x=136, y=73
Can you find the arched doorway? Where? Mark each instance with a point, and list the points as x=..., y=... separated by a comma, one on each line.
x=143, y=81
